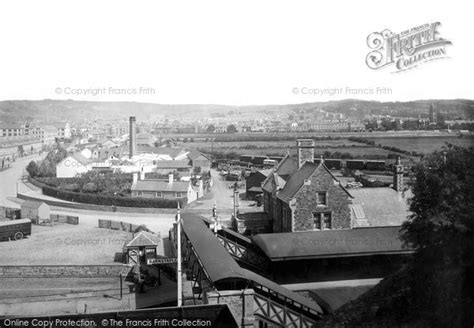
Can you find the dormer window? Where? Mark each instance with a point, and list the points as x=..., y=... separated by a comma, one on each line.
x=321, y=198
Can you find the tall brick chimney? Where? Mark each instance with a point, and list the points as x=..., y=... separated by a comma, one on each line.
x=305, y=151
x=133, y=137
x=398, y=175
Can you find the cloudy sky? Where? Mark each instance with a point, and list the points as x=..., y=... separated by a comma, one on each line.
x=223, y=52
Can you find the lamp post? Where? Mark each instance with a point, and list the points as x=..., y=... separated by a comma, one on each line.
x=236, y=200
x=178, y=255
x=215, y=225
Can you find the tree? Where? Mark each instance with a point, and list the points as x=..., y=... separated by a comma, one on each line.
x=21, y=151
x=211, y=128
x=32, y=169
x=231, y=128
x=441, y=229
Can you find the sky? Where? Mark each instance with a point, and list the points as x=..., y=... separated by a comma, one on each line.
x=224, y=52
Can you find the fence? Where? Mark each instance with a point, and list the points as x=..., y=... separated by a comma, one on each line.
x=118, y=225
x=56, y=218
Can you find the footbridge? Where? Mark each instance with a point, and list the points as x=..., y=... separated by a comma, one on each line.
x=222, y=262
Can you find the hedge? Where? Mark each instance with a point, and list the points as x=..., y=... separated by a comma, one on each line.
x=111, y=201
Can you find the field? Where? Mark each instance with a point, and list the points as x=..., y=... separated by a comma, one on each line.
x=279, y=148
x=278, y=145
x=423, y=144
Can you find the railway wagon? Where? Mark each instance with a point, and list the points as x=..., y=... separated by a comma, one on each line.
x=375, y=165
x=333, y=164
x=15, y=229
x=355, y=164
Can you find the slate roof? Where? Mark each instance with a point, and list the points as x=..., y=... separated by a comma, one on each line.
x=282, y=171
x=141, y=149
x=32, y=204
x=172, y=164
x=193, y=154
x=296, y=181
x=144, y=238
x=379, y=207
x=331, y=243
x=220, y=266
x=160, y=185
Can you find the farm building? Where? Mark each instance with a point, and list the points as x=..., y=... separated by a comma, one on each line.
x=34, y=210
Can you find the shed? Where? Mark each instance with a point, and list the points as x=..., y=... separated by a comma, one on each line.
x=35, y=210
x=142, y=247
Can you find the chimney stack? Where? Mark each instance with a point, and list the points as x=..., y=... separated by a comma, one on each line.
x=133, y=137
x=305, y=151
x=142, y=174
x=398, y=175
x=135, y=177
x=170, y=178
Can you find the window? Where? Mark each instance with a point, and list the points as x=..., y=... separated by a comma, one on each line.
x=322, y=198
x=317, y=221
x=179, y=194
x=158, y=194
x=322, y=220
x=326, y=217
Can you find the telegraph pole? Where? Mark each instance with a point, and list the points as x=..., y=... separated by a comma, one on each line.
x=179, y=277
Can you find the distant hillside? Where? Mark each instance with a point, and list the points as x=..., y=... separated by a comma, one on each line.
x=77, y=111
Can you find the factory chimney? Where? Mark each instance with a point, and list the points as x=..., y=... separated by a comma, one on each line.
x=305, y=151
x=133, y=137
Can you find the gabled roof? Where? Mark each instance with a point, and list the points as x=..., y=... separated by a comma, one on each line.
x=172, y=164
x=161, y=185
x=144, y=238
x=32, y=204
x=81, y=159
x=296, y=181
x=193, y=154
x=287, y=166
x=377, y=207
x=331, y=243
x=284, y=169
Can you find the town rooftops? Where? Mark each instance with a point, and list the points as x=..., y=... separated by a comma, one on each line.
x=144, y=238
x=160, y=185
x=331, y=243
x=172, y=153
x=375, y=207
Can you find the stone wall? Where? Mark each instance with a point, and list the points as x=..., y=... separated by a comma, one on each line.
x=306, y=203
x=47, y=271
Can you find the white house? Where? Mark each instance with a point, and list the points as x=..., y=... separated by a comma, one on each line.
x=169, y=189
x=72, y=166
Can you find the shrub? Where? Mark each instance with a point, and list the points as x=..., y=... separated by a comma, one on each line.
x=97, y=199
